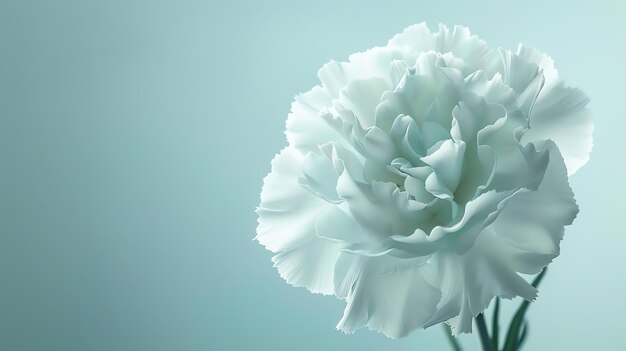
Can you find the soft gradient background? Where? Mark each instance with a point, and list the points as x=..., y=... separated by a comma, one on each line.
x=134, y=136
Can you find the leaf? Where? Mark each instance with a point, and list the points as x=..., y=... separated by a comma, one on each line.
x=484, y=335
x=522, y=337
x=453, y=342
x=494, y=325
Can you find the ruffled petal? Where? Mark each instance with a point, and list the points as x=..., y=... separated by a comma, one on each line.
x=530, y=228
x=416, y=37
x=287, y=210
x=446, y=160
x=523, y=238
x=318, y=175
x=458, y=41
x=362, y=97
x=517, y=165
x=373, y=215
x=305, y=128
x=560, y=114
x=517, y=72
x=470, y=281
x=390, y=296
x=543, y=61
x=423, y=85
x=310, y=265
x=373, y=63
x=338, y=226
x=554, y=111
x=286, y=225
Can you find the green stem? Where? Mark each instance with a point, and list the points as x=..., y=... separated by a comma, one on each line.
x=513, y=336
x=453, y=342
x=484, y=335
x=495, y=327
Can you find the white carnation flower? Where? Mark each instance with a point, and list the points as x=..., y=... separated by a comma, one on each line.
x=422, y=177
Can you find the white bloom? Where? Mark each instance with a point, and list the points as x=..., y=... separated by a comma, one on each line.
x=421, y=177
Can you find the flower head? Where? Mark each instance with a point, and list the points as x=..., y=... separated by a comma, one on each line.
x=422, y=177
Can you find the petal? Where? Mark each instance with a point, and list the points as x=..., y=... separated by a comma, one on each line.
x=362, y=97
x=450, y=273
x=319, y=176
x=458, y=41
x=517, y=72
x=417, y=188
x=555, y=112
x=304, y=127
x=523, y=238
x=462, y=44
x=407, y=138
x=372, y=63
x=433, y=133
x=530, y=228
x=517, y=165
x=286, y=225
x=437, y=187
x=560, y=114
x=287, y=211
x=400, y=200
x=479, y=213
x=334, y=77
x=447, y=162
x=417, y=37
x=310, y=265
x=344, y=158
x=471, y=281
x=493, y=90
x=379, y=146
x=471, y=115
x=412, y=97
x=376, y=217
x=545, y=62
x=417, y=91
x=347, y=126
x=417, y=244
x=338, y=226
x=393, y=311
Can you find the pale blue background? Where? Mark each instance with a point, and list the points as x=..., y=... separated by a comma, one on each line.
x=134, y=136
